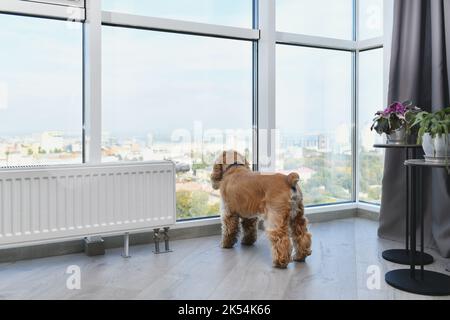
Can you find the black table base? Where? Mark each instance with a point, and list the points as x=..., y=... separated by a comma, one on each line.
x=418, y=281
x=432, y=283
x=402, y=256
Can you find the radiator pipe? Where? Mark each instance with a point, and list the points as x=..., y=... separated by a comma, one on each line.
x=126, y=246
x=156, y=238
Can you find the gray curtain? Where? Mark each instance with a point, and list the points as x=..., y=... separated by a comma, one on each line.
x=420, y=69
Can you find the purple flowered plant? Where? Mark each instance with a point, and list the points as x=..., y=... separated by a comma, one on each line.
x=398, y=108
x=397, y=115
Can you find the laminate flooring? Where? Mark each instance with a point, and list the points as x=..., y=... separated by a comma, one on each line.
x=345, y=254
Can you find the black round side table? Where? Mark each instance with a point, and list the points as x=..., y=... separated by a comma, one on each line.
x=402, y=256
x=412, y=280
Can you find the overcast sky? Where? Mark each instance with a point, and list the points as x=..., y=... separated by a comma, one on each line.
x=157, y=82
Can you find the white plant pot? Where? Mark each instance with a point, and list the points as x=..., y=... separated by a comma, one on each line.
x=436, y=149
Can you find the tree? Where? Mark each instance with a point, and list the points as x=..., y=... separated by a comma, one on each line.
x=191, y=204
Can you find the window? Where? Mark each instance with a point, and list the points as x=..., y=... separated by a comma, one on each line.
x=40, y=91
x=314, y=107
x=175, y=89
x=324, y=18
x=236, y=13
x=178, y=97
x=370, y=19
x=370, y=101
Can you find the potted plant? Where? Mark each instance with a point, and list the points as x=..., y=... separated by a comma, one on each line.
x=396, y=122
x=434, y=134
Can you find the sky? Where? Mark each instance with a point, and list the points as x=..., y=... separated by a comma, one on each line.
x=167, y=81
x=314, y=89
x=236, y=13
x=325, y=18
x=163, y=81
x=41, y=70
x=330, y=18
x=370, y=94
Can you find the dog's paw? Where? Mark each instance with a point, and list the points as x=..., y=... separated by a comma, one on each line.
x=227, y=245
x=248, y=242
x=280, y=264
x=302, y=257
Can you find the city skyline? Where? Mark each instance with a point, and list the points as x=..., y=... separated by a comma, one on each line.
x=14, y=151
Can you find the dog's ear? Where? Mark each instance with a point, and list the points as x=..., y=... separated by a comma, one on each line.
x=216, y=176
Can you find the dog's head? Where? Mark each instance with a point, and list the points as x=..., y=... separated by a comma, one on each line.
x=225, y=161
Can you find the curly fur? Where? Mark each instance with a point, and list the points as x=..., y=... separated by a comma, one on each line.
x=276, y=198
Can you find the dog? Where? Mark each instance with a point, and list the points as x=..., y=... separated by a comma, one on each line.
x=248, y=196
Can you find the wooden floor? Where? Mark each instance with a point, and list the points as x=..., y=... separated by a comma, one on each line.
x=200, y=269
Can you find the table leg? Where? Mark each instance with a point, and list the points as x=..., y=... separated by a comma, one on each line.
x=403, y=256
x=422, y=220
x=421, y=281
x=412, y=215
x=407, y=204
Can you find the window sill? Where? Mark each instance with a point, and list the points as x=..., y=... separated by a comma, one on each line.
x=314, y=214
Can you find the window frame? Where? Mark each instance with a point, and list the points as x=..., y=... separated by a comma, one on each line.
x=355, y=46
x=126, y=20
x=53, y=9
x=31, y=10
x=341, y=45
x=95, y=19
x=264, y=36
x=69, y=3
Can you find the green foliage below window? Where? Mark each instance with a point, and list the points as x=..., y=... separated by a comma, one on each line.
x=194, y=204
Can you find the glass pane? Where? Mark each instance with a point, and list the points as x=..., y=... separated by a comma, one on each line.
x=324, y=18
x=370, y=19
x=314, y=103
x=40, y=91
x=237, y=13
x=178, y=97
x=370, y=101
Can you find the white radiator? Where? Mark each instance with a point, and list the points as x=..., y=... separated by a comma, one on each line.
x=50, y=203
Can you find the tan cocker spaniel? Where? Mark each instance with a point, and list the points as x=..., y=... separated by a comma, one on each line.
x=248, y=196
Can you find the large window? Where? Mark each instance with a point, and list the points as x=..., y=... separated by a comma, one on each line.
x=322, y=82
x=314, y=108
x=370, y=101
x=40, y=91
x=183, y=80
x=236, y=13
x=177, y=97
x=324, y=18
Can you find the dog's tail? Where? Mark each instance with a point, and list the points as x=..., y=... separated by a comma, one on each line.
x=296, y=195
x=293, y=179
